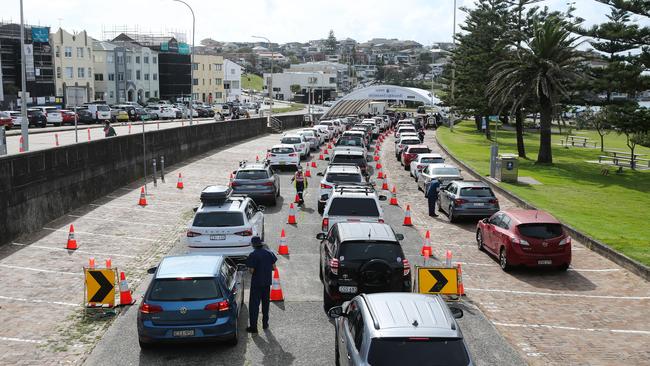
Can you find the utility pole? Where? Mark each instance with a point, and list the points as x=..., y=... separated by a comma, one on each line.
x=453, y=74
x=191, y=60
x=24, y=126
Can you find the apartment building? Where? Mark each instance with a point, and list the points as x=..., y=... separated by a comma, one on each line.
x=208, y=81
x=73, y=62
x=232, y=80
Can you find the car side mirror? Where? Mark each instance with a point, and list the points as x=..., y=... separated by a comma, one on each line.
x=336, y=312
x=456, y=312
x=234, y=172
x=381, y=197
x=261, y=208
x=368, y=158
x=152, y=270
x=320, y=174
x=485, y=220
x=241, y=267
x=320, y=236
x=327, y=158
x=195, y=209
x=399, y=236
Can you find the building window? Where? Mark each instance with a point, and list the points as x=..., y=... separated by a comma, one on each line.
x=90, y=71
x=111, y=94
x=58, y=72
x=137, y=59
x=137, y=74
x=203, y=67
x=69, y=72
x=128, y=59
x=146, y=76
x=129, y=75
x=195, y=81
x=120, y=76
x=209, y=81
x=203, y=81
x=146, y=59
x=195, y=66
x=57, y=53
x=332, y=80
x=218, y=81
x=218, y=67
x=99, y=77
x=155, y=93
x=81, y=72
x=154, y=60
x=195, y=96
x=120, y=59
x=109, y=59
x=209, y=67
x=80, y=52
x=88, y=51
x=218, y=95
x=147, y=94
x=111, y=77
x=67, y=52
x=235, y=84
x=155, y=76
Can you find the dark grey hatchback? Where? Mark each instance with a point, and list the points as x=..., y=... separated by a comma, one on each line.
x=467, y=198
x=258, y=181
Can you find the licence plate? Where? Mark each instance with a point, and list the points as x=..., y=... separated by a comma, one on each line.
x=217, y=237
x=250, y=186
x=348, y=289
x=544, y=262
x=183, y=333
x=479, y=204
x=283, y=162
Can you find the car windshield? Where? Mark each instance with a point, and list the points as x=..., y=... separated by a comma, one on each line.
x=218, y=219
x=419, y=150
x=184, y=289
x=445, y=171
x=103, y=108
x=348, y=206
x=408, y=129
x=349, y=159
x=343, y=178
x=361, y=250
x=350, y=141
x=282, y=150
x=252, y=174
x=308, y=133
x=418, y=351
x=432, y=160
x=290, y=140
x=476, y=192
x=540, y=230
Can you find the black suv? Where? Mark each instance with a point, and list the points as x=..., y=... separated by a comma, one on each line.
x=361, y=258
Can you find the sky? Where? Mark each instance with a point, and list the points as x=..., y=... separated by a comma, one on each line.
x=425, y=21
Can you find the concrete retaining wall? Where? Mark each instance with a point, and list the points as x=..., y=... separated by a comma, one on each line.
x=39, y=186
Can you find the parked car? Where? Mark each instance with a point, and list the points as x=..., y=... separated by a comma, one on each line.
x=398, y=329
x=68, y=117
x=192, y=298
x=361, y=258
x=445, y=173
x=161, y=112
x=422, y=161
x=411, y=152
x=531, y=238
x=16, y=118
x=258, y=181
x=283, y=155
x=140, y=115
x=85, y=116
x=36, y=117
x=100, y=112
x=6, y=121
x=467, y=199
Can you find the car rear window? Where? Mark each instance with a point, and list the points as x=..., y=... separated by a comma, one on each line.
x=445, y=171
x=432, y=160
x=410, y=142
x=290, y=140
x=252, y=174
x=476, y=192
x=349, y=141
x=282, y=150
x=348, y=206
x=418, y=351
x=218, y=219
x=103, y=108
x=349, y=159
x=541, y=230
x=419, y=150
x=360, y=250
x=4, y=114
x=343, y=178
x=184, y=289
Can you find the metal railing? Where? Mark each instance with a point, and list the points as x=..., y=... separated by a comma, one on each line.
x=275, y=124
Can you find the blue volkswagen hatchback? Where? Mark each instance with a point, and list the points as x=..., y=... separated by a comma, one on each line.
x=192, y=298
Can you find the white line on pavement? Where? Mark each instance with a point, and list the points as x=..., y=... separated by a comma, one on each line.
x=559, y=294
x=626, y=331
x=119, y=221
x=153, y=199
x=77, y=251
x=38, y=301
x=12, y=339
x=141, y=209
x=39, y=270
x=570, y=269
x=106, y=235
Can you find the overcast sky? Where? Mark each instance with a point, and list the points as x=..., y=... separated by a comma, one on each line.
x=425, y=21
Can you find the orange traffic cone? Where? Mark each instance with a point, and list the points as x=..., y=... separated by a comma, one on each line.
x=384, y=186
x=407, y=217
x=376, y=157
x=378, y=166
x=326, y=152
x=313, y=164
x=283, y=249
x=72, y=242
x=329, y=146
x=276, y=288
x=393, y=197
x=143, y=198
x=91, y=262
x=292, y=215
x=380, y=175
x=179, y=185
x=257, y=158
x=426, y=246
x=321, y=157
x=297, y=198
x=461, y=287
x=307, y=172
x=125, y=292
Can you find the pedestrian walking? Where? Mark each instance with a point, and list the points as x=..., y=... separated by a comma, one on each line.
x=300, y=182
x=432, y=196
x=261, y=264
x=109, y=131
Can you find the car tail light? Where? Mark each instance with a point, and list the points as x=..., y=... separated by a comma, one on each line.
x=233, y=183
x=420, y=167
x=458, y=202
x=519, y=241
x=381, y=221
x=325, y=186
x=292, y=154
x=192, y=234
x=407, y=267
x=334, y=266
x=494, y=201
x=218, y=306
x=326, y=224
x=244, y=233
x=565, y=241
x=150, y=309
x=267, y=184
x=272, y=155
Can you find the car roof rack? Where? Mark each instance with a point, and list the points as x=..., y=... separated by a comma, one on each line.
x=370, y=311
x=355, y=188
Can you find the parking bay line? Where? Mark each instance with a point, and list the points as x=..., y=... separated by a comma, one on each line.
x=558, y=294
x=547, y=326
x=570, y=269
x=37, y=301
x=119, y=221
x=9, y=266
x=13, y=339
x=141, y=209
x=106, y=235
x=76, y=250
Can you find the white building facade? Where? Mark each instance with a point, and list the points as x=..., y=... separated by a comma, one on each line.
x=317, y=83
x=73, y=65
x=232, y=81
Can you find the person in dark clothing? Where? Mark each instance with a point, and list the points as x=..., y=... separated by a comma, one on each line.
x=261, y=264
x=109, y=131
x=421, y=134
x=432, y=196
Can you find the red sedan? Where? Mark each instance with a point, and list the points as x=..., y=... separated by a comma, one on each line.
x=525, y=237
x=411, y=152
x=68, y=116
x=6, y=121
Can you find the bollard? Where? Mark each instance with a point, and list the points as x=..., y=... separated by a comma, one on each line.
x=155, y=182
x=448, y=260
x=129, y=128
x=89, y=134
x=158, y=125
x=56, y=139
x=162, y=168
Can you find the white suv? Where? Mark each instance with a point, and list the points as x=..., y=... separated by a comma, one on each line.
x=335, y=175
x=224, y=223
x=283, y=155
x=349, y=203
x=298, y=141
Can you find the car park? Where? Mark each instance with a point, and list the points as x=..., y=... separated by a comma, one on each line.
x=283, y=155
x=444, y=173
x=224, y=223
x=191, y=298
x=402, y=143
x=421, y=161
x=352, y=203
x=411, y=152
x=298, y=141
x=256, y=180
x=6, y=121
x=361, y=258
x=531, y=238
x=354, y=157
x=335, y=175
x=467, y=199
x=398, y=329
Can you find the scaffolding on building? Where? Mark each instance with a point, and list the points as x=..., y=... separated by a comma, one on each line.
x=144, y=38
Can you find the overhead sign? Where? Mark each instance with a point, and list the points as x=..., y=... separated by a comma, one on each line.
x=433, y=280
x=40, y=34
x=100, y=287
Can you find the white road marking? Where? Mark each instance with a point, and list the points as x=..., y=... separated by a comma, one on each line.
x=119, y=221
x=570, y=269
x=12, y=339
x=149, y=197
x=141, y=209
x=625, y=331
x=39, y=270
x=97, y=234
x=559, y=294
x=37, y=301
x=78, y=250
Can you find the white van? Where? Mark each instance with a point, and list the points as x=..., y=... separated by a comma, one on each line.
x=100, y=112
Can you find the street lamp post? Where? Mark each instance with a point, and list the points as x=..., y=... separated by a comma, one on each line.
x=191, y=60
x=453, y=73
x=270, y=78
x=23, y=93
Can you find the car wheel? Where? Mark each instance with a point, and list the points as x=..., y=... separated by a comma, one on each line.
x=479, y=239
x=145, y=345
x=235, y=337
x=336, y=350
x=451, y=216
x=503, y=260
x=320, y=272
x=563, y=267
x=321, y=208
x=328, y=303
x=274, y=201
x=406, y=167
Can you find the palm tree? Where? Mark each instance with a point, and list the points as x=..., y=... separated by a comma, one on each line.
x=543, y=70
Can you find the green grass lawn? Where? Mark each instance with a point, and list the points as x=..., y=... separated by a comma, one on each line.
x=614, y=209
x=252, y=81
x=293, y=108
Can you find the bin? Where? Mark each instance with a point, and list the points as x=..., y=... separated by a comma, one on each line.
x=507, y=168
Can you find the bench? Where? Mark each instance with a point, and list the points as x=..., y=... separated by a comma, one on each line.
x=620, y=160
x=583, y=141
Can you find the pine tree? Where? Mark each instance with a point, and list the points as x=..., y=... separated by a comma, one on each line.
x=330, y=43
